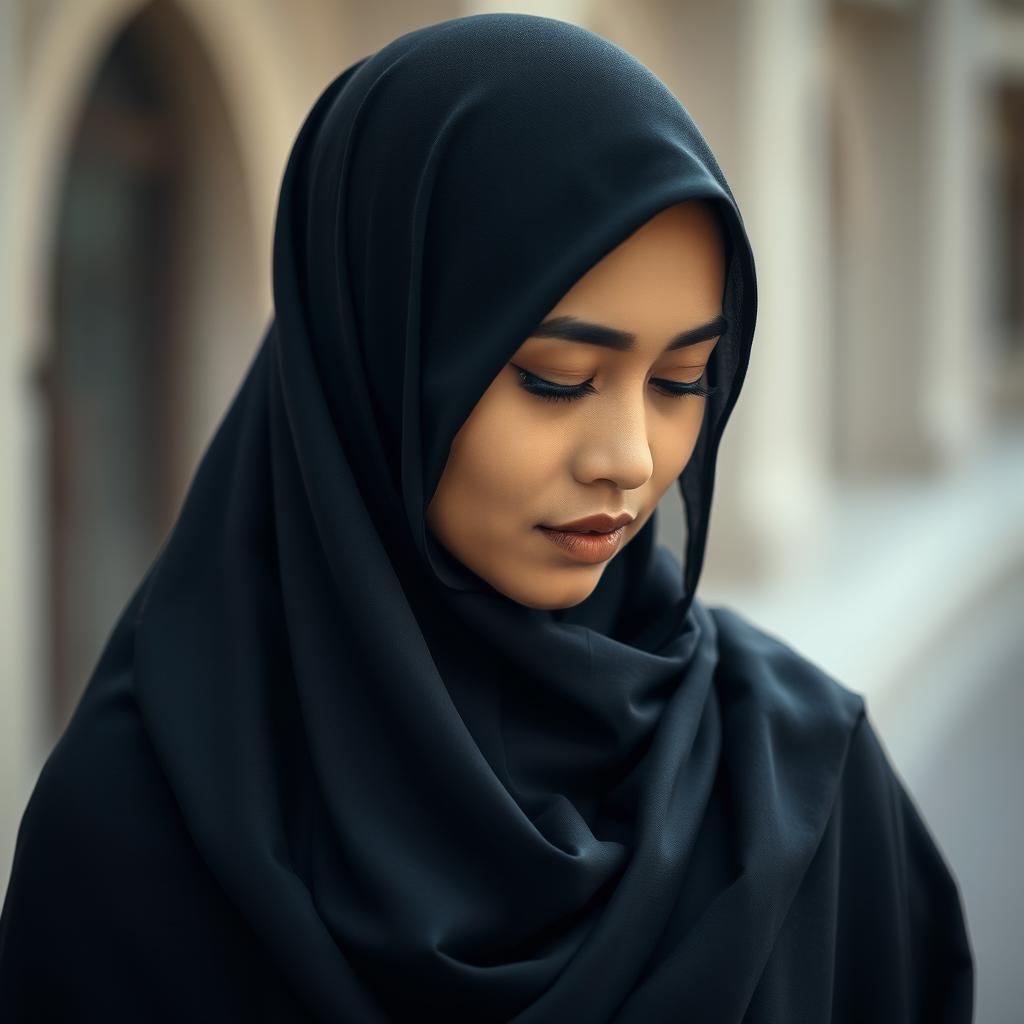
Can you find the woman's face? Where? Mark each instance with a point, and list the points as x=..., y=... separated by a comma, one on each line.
x=522, y=461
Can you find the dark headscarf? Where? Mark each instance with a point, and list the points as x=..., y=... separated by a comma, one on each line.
x=323, y=771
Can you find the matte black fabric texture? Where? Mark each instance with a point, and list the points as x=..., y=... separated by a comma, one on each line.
x=323, y=772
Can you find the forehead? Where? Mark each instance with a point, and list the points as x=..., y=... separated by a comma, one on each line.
x=671, y=270
x=680, y=247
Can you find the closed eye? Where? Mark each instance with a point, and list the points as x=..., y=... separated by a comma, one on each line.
x=550, y=391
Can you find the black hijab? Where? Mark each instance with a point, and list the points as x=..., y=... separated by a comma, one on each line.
x=322, y=771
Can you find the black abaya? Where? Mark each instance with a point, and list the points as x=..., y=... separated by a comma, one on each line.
x=324, y=772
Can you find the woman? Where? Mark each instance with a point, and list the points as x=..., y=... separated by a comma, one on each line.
x=373, y=740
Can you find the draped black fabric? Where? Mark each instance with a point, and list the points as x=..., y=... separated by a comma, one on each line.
x=324, y=772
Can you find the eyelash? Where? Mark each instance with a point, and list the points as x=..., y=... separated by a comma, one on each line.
x=551, y=392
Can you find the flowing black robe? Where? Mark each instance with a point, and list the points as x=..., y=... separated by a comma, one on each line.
x=324, y=772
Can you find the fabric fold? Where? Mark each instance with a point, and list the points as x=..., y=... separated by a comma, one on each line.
x=386, y=791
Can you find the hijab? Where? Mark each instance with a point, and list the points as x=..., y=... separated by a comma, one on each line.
x=324, y=771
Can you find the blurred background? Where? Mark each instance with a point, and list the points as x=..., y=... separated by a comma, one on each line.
x=869, y=504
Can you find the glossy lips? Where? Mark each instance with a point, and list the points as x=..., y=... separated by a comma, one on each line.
x=602, y=522
x=592, y=539
x=586, y=547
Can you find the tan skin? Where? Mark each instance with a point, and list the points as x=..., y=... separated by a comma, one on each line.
x=520, y=460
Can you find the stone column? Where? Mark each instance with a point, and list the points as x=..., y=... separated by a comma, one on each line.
x=772, y=484
x=952, y=409
x=20, y=698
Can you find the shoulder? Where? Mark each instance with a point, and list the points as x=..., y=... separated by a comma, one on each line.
x=100, y=808
x=762, y=675
x=105, y=875
x=878, y=908
x=94, y=786
x=887, y=838
x=766, y=674
x=899, y=906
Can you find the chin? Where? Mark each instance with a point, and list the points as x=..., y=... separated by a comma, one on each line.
x=553, y=598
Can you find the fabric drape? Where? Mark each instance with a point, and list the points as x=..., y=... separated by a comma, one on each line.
x=324, y=772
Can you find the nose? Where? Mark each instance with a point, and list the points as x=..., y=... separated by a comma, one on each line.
x=615, y=446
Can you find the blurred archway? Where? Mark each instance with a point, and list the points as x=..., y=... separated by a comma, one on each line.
x=151, y=278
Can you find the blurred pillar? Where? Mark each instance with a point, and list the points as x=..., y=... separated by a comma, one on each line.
x=907, y=150
x=773, y=463
x=953, y=370
x=1001, y=64
x=18, y=598
x=880, y=280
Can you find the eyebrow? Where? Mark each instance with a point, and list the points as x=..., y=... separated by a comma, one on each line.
x=568, y=328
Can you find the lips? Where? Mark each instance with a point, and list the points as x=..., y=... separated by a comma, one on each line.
x=602, y=522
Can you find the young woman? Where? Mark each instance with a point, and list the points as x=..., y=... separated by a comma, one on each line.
x=410, y=718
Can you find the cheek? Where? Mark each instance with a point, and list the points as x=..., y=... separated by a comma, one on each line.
x=500, y=460
x=674, y=443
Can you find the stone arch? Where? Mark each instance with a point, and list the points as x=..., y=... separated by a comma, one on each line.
x=160, y=351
